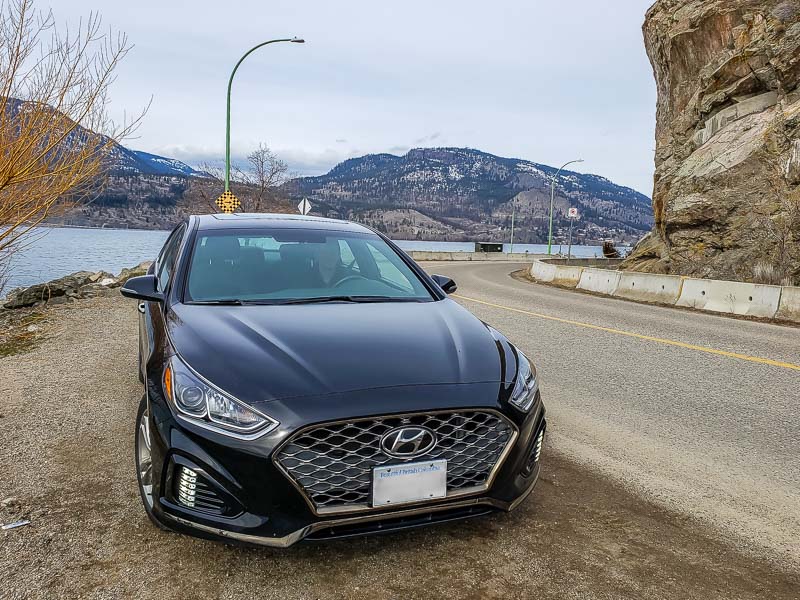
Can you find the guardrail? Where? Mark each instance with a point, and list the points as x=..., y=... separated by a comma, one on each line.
x=731, y=297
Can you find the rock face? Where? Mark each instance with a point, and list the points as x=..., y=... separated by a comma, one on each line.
x=727, y=181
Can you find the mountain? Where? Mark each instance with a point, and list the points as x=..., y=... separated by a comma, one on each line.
x=428, y=193
x=127, y=161
x=462, y=193
x=121, y=160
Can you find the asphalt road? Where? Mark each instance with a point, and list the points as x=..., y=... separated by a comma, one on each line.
x=652, y=450
x=677, y=418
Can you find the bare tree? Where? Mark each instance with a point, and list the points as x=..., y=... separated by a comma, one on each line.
x=268, y=173
x=55, y=132
x=263, y=177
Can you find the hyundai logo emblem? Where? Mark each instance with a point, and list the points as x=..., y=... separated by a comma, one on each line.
x=408, y=442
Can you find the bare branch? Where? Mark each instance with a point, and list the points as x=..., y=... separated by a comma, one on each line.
x=55, y=132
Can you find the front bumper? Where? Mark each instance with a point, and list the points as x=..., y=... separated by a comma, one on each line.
x=263, y=507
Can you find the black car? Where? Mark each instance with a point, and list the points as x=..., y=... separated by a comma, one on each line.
x=305, y=378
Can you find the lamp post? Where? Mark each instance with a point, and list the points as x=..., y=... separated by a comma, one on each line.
x=228, y=117
x=513, y=210
x=552, y=198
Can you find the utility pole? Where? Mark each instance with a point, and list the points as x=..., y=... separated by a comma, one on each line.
x=569, y=250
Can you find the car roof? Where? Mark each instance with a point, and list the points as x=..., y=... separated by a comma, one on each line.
x=274, y=221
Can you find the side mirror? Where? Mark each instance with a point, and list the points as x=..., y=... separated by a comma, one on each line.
x=142, y=288
x=448, y=285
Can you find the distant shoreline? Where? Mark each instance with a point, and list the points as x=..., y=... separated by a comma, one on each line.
x=56, y=226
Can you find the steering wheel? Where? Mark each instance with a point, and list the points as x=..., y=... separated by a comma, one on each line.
x=347, y=278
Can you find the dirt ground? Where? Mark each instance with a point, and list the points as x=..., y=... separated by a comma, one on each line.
x=68, y=400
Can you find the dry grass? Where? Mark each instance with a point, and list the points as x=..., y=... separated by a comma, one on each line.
x=20, y=331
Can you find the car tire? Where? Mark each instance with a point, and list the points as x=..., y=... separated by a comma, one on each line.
x=142, y=421
x=139, y=364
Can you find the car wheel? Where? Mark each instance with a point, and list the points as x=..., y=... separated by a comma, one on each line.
x=139, y=363
x=144, y=462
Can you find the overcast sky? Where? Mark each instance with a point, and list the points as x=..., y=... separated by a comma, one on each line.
x=540, y=80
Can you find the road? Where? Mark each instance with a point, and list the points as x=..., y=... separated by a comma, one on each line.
x=677, y=418
x=653, y=451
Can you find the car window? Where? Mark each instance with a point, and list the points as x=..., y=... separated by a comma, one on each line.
x=388, y=269
x=166, y=261
x=285, y=265
x=347, y=256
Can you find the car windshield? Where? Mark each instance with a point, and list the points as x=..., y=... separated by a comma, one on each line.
x=298, y=266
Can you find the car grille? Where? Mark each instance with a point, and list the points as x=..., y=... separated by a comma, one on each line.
x=332, y=463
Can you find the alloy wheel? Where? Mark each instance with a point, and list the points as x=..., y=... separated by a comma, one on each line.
x=144, y=458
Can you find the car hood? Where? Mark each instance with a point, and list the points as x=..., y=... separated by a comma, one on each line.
x=263, y=353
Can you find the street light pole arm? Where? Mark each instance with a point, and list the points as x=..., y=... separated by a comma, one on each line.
x=228, y=106
x=564, y=166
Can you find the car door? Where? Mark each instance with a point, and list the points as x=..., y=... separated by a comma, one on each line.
x=151, y=321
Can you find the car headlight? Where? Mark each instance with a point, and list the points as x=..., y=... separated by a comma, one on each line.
x=199, y=402
x=527, y=384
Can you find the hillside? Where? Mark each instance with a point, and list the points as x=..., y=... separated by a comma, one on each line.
x=461, y=193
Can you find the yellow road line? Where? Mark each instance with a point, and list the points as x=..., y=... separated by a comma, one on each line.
x=747, y=357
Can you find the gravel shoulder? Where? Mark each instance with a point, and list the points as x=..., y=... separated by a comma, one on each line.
x=66, y=455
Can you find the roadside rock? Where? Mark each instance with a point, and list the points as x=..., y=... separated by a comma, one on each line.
x=83, y=284
x=94, y=290
x=137, y=271
x=45, y=292
x=727, y=181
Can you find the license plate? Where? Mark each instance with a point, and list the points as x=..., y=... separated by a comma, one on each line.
x=411, y=482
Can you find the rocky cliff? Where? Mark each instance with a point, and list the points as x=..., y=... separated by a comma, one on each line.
x=727, y=181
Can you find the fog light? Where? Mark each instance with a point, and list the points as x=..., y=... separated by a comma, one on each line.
x=537, y=449
x=187, y=486
x=536, y=452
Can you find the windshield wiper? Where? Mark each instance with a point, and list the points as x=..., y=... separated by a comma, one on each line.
x=353, y=299
x=312, y=300
x=222, y=302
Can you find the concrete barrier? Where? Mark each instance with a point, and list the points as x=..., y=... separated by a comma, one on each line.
x=730, y=297
x=750, y=299
x=789, y=306
x=542, y=271
x=423, y=255
x=566, y=273
x=648, y=287
x=567, y=276
x=601, y=281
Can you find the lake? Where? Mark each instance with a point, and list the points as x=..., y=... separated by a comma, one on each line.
x=54, y=252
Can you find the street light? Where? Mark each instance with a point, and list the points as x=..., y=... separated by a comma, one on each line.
x=295, y=40
x=552, y=198
x=513, y=210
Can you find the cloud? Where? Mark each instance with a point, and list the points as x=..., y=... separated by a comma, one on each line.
x=428, y=139
x=398, y=149
x=301, y=162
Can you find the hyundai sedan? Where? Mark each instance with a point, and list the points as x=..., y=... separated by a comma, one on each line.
x=305, y=378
